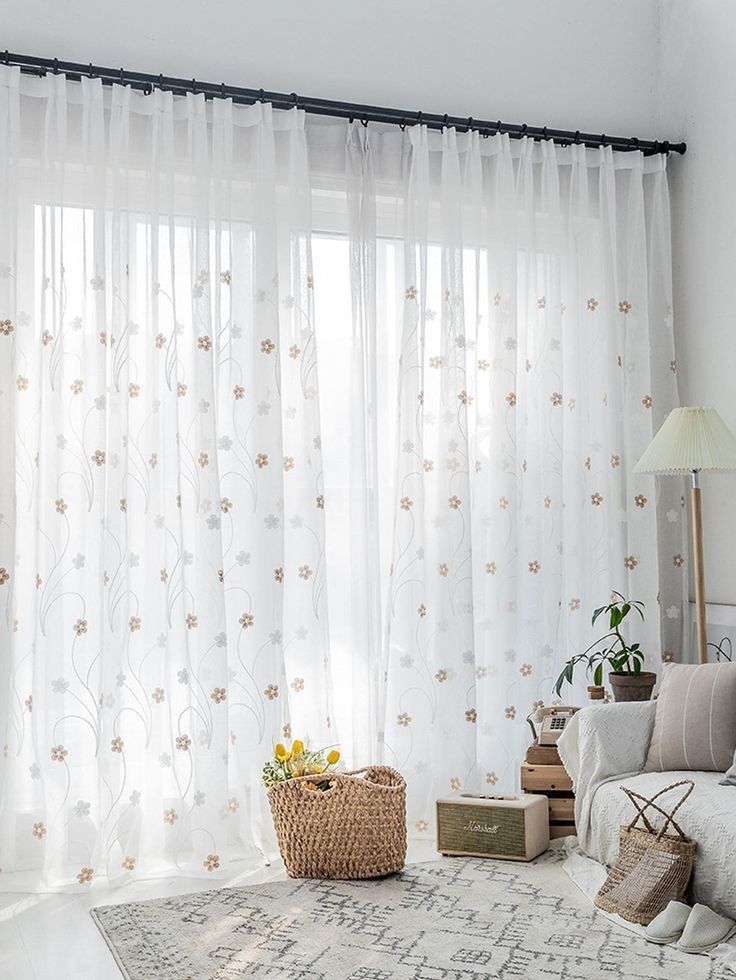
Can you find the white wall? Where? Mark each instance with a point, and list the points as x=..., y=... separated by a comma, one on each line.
x=587, y=64
x=697, y=82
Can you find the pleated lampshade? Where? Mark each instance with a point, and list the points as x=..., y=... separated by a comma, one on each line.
x=690, y=439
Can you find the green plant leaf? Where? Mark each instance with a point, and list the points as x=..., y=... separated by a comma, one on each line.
x=637, y=668
x=598, y=675
x=597, y=613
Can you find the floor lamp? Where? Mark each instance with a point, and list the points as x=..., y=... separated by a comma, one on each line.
x=691, y=440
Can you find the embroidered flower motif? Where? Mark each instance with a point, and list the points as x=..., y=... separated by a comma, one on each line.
x=421, y=825
x=525, y=670
x=183, y=742
x=212, y=862
x=134, y=390
x=294, y=352
x=116, y=744
x=411, y=292
x=441, y=675
x=181, y=389
x=85, y=875
x=226, y=505
x=246, y=620
x=596, y=499
x=534, y=567
x=21, y=383
x=403, y=720
x=490, y=568
x=128, y=863
x=288, y=463
x=98, y=457
x=218, y=695
x=406, y=503
x=159, y=340
x=510, y=712
x=444, y=569
x=630, y=562
x=204, y=343
x=305, y=572
x=39, y=830
x=574, y=604
x=615, y=460
x=556, y=398
x=226, y=278
x=239, y=392
x=464, y=398
x=471, y=715
x=134, y=623
x=667, y=656
x=158, y=695
x=29, y=703
x=503, y=503
x=80, y=627
x=4, y=576
x=428, y=465
x=278, y=574
x=170, y=817
x=454, y=502
x=262, y=460
x=624, y=306
x=673, y=367
x=6, y=327
x=58, y=753
x=422, y=610
x=77, y=386
x=455, y=783
x=592, y=304
x=547, y=502
x=191, y=621
x=541, y=302
x=647, y=401
x=678, y=561
x=272, y=692
x=640, y=500
x=511, y=399
x=203, y=460
x=267, y=346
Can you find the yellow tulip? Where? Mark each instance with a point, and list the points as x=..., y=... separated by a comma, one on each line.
x=281, y=754
x=333, y=757
x=297, y=748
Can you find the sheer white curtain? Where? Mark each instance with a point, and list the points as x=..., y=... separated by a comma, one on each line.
x=163, y=584
x=537, y=361
x=182, y=504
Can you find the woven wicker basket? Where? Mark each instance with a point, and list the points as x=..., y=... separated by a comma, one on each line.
x=355, y=829
x=653, y=868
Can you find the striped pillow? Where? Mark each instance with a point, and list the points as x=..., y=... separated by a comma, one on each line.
x=695, y=720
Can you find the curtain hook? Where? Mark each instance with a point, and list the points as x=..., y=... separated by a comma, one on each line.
x=364, y=122
x=295, y=100
x=122, y=77
x=603, y=139
x=577, y=136
x=498, y=127
x=56, y=66
x=523, y=130
x=89, y=69
x=469, y=123
x=544, y=133
x=666, y=147
x=222, y=90
x=161, y=82
x=7, y=57
x=485, y=134
x=419, y=118
x=402, y=126
x=261, y=95
x=194, y=86
x=444, y=120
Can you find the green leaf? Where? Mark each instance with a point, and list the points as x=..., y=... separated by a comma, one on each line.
x=597, y=613
x=615, y=616
x=637, y=668
x=625, y=610
x=598, y=675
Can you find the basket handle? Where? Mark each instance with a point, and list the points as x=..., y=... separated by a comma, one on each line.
x=669, y=816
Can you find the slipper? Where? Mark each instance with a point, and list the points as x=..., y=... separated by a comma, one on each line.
x=705, y=929
x=667, y=927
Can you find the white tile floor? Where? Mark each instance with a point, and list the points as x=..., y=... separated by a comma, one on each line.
x=53, y=937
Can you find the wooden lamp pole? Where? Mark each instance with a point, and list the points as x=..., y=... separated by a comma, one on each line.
x=698, y=573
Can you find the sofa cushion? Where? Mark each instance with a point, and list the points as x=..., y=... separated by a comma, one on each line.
x=695, y=720
x=730, y=778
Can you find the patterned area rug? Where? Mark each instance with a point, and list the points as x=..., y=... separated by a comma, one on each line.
x=454, y=919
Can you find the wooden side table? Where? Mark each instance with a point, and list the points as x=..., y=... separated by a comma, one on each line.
x=554, y=783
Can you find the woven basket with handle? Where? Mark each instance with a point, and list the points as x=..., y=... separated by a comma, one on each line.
x=653, y=867
x=354, y=829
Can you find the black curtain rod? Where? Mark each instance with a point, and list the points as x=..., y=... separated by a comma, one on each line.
x=326, y=107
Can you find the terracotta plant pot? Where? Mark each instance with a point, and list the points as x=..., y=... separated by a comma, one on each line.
x=629, y=687
x=596, y=692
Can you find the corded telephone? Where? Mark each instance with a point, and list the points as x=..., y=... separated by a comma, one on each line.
x=553, y=722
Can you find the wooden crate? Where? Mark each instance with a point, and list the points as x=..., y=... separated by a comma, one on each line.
x=554, y=783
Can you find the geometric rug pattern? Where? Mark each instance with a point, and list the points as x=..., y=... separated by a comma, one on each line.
x=452, y=919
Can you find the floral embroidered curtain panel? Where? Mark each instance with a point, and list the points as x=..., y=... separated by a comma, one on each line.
x=203, y=549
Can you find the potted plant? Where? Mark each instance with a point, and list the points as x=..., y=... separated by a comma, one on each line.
x=628, y=681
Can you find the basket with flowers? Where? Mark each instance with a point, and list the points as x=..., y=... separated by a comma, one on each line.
x=334, y=824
